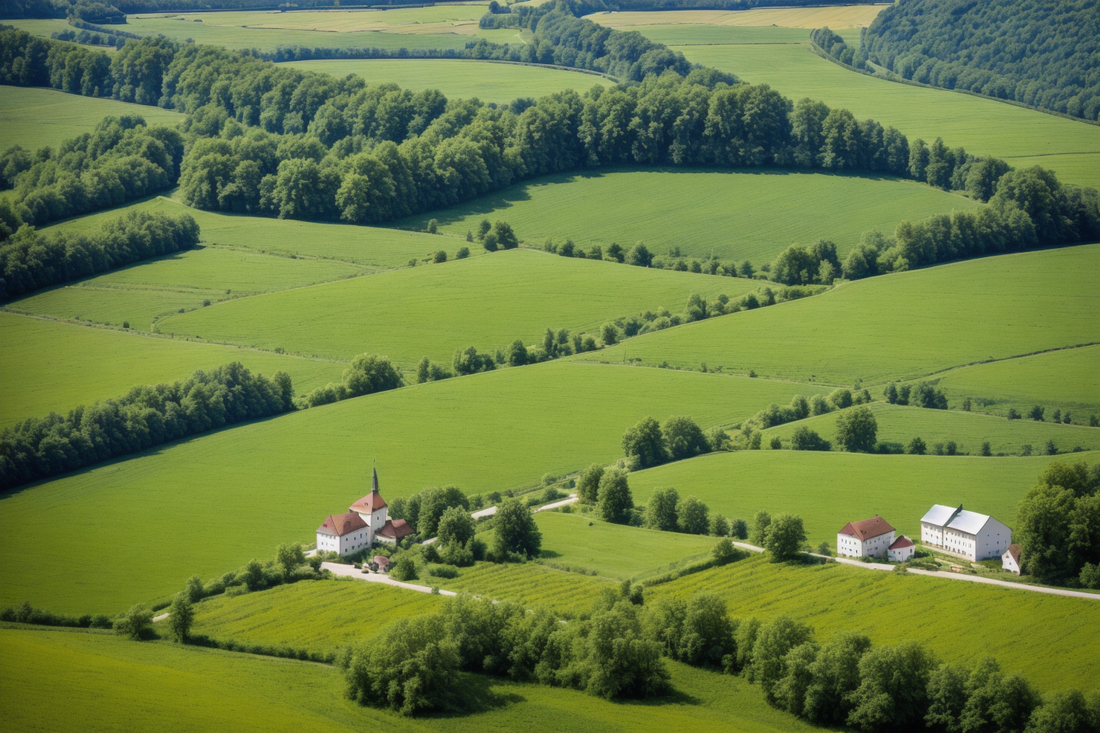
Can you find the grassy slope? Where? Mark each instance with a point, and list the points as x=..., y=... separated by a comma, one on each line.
x=532, y=585
x=459, y=79
x=900, y=326
x=1050, y=640
x=742, y=215
x=189, y=689
x=486, y=302
x=51, y=366
x=318, y=616
x=36, y=117
x=486, y=432
x=898, y=424
x=829, y=490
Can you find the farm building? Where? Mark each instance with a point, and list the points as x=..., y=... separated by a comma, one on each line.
x=967, y=534
x=364, y=524
x=1010, y=561
x=900, y=550
x=866, y=538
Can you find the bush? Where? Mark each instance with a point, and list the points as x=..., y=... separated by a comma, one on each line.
x=404, y=568
x=443, y=571
x=136, y=624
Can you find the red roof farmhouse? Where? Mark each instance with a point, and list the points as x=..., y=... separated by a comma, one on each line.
x=363, y=525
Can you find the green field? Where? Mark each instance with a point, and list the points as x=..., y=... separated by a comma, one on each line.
x=898, y=424
x=1066, y=380
x=532, y=585
x=1050, y=640
x=75, y=682
x=837, y=17
x=432, y=311
x=319, y=616
x=732, y=215
x=899, y=326
x=487, y=432
x=37, y=117
x=828, y=490
x=459, y=78
x=48, y=366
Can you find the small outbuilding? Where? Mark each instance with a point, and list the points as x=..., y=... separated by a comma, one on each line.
x=865, y=538
x=900, y=550
x=393, y=531
x=1010, y=561
x=382, y=563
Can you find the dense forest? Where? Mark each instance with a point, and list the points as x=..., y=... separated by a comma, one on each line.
x=1041, y=53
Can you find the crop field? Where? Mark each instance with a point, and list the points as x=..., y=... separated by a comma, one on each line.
x=531, y=585
x=1066, y=380
x=1050, y=640
x=489, y=81
x=488, y=432
x=612, y=550
x=732, y=215
x=900, y=424
x=60, y=681
x=48, y=366
x=375, y=247
x=34, y=118
x=703, y=35
x=835, y=17
x=432, y=311
x=828, y=490
x=315, y=615
x=899, y=326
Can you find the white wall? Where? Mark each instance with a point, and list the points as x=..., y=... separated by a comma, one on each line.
x=931, y=534
x=992, y=540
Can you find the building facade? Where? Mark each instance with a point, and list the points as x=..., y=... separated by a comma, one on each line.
x=364, y=524
x=900, y=549
x=343, y=534
x=866, y=538
x=1010, y=561
x=964, y=533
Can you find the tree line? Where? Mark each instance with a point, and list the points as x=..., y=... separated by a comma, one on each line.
x=835, y=46
x=366, y=374
x=1058, y=526
x=144, y=417
x=30, y=260
x=1038, y=53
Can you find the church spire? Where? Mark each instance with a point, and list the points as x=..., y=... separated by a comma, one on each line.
x=374, y=481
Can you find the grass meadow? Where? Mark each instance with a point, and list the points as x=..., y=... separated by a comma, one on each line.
x=486, y=432
x=900, y=424
x=59, y=681
x=37, y=117
x=49, y=366
x=900, y=326
x=532, y=585
x=432, y=311
x=732, y=215
x=828, y=490
x=834, y=17
x=459, y=78
x=1050, y=640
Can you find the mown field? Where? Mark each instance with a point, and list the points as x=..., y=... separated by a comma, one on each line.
x=61, y=682
x=835, y=17
x=899, y=326
x=531, y=585
x=487, y=432
x=828, y=490
x=1066, y=380
x=37, y=117
x=315, y=615
x=48, y=366
x=459, y=78
x=731, y=215
x=1050, y=640
x=434, y=310
x=899, y=424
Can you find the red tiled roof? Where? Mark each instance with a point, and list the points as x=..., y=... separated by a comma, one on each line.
x=1014, y=550
x=867, y=528
x=396, y=528
x=338, y=525
x=901, y=542
x=369, y=503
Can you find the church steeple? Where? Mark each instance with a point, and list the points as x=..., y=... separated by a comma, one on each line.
x=374, y=482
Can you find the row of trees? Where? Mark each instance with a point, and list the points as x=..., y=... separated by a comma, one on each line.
x=838, y=48
x=1058, y=525
x=31, y=260
x=1029, y=51
x=921, y=394
x=144, y=417
x=366, y=374
x=650, y=443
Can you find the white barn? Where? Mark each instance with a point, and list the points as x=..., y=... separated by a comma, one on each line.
x=1010, y=561
x=866, y=538
x=362, y=526
x=964, y=533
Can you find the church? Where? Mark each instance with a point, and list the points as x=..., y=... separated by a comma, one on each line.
x=364, y=524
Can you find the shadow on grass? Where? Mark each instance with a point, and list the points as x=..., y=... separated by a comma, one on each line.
x=476, y=694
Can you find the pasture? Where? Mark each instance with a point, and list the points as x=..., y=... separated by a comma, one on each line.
x=486, y=302
x=315, y=615
x=34, y=118
x=828, y=490
x=489, y=81
x=835, y=17
x=899, y=326
x=1050, y=640
x=488, y=432
x=731, y=215
x=49, y=366
x=59, y=681
x=900, y=424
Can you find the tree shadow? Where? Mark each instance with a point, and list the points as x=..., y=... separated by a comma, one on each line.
x=672, y=697
x=475, y=693
x=549, y=554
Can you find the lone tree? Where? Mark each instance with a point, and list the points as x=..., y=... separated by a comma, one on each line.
x=516, y=531
x=856, y=430
x=588, y=487
x=505, y=237
x=760, y=525
x=181, y=615
x=683, y=438
x=137, y=623
x=692, y=516
x=644, y=444
x=455, y=526
x=785, y=537
x=616, y=500
x=639, y=256
x=660, y=511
